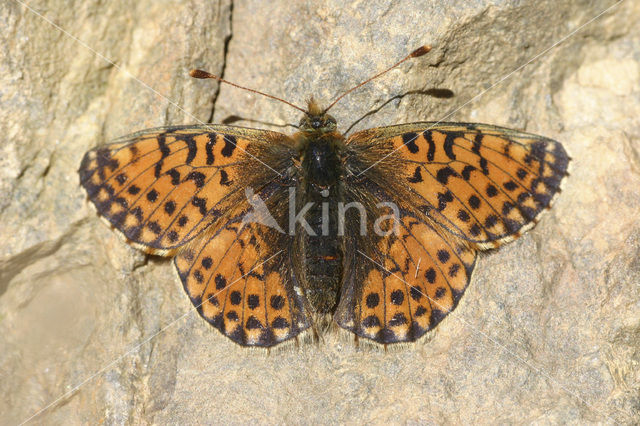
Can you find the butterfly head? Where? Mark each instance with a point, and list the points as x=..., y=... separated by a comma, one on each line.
x=316, y=120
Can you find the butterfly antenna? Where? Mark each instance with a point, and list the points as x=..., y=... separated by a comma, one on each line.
x=422, y=50
x=204, y=74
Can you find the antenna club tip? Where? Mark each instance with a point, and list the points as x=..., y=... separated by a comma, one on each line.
x=422, y=50
x=199, y=74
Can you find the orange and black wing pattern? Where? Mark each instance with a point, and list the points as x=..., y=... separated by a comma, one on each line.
x=161, y=188
x=240, y=280
x=459, y=188
x=182, y=191
x=485, y=184
x=402, y=285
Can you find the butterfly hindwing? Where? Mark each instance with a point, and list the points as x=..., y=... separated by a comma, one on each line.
x=239, y=277
x=162, y=187
x=485, y=184
x=406, y=282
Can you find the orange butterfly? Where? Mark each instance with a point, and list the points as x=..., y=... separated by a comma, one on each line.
x=274, y=234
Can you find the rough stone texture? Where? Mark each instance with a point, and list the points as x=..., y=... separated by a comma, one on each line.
x=549, y=330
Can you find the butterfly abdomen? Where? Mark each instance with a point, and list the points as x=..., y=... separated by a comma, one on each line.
x=319, y=194
x=322, y=251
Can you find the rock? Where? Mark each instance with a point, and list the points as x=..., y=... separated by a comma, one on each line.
x=92, y=331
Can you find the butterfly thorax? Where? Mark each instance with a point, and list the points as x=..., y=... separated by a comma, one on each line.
x=319, y=193
x=319, y=146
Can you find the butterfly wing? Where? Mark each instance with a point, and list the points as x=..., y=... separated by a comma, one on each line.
x=461, y=187
x=162, y=187
x=181, y=190
x=240, y=278
x=402, y=285
x=485, y=184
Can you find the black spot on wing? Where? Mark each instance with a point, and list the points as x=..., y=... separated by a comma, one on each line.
x=373, y=299
x=253, y=323
x=197, y=177
x=152, y=196
x=280, y=323
x=463, y=215
x=484, y=166
x=371, y=321
x=154, y=227
x=397, y=297
x=235, y=297
x=229, y=145
x=417, y=176
x=444, y=173
x=521, y=173
x=474, y=202
x=431, y=151
x=430, y=275
x=398, y=319
x=443, y=256
x=170, y=207
x=277, y=302
x=164, y=151
x=477, y=143
x=409, y=140
x=224, y=178
x=209, y=149
x=448, y=144
x=221, y=282
x=443, y=199
x=192, y=149
x=121, y=178
x=466, y=172
x=201, y=204
x=253, y=301
x=175, y=176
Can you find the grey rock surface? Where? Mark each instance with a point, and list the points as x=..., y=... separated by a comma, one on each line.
x=93, y=331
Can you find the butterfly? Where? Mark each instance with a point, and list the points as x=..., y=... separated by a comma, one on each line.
x=273, y=235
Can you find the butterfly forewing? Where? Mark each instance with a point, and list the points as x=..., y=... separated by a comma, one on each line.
x=162, y=187
x=483, y=183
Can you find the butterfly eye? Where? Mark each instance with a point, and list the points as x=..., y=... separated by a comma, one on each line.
x=329, y=122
